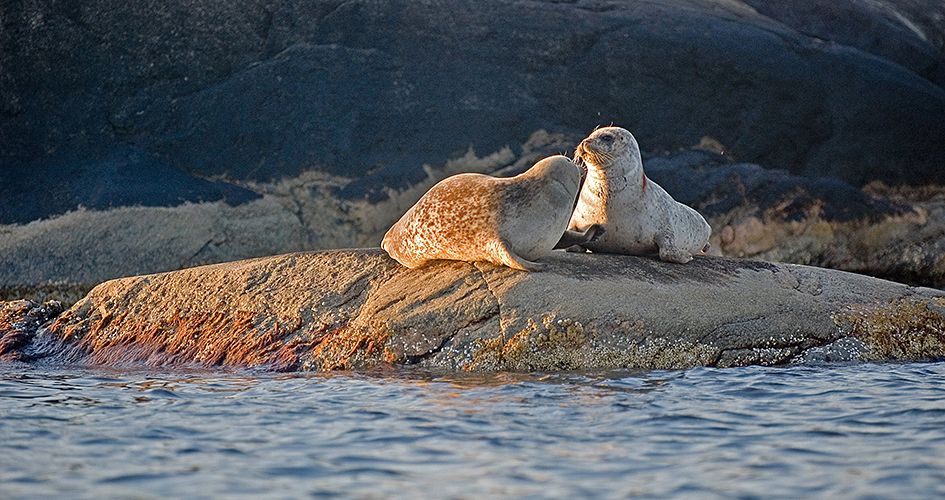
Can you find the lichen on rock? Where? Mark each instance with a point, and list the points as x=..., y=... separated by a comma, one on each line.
x=906, y=329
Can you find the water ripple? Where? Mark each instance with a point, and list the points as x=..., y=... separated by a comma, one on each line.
x=841, y=431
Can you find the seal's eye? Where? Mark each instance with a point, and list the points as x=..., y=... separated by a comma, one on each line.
x=608, y=138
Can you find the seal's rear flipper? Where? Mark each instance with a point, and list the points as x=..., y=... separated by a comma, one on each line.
x=500, y=254
x=516, y=262
x=571, y=238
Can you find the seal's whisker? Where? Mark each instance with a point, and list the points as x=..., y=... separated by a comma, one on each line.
x=607, y=158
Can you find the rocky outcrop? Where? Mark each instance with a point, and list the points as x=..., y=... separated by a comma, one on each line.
x=358, y=308
x=770, y=215
x=147, y=137
x=19, y=321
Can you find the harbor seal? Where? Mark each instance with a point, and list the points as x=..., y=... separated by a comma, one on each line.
x=638, y=215
x=508, y=221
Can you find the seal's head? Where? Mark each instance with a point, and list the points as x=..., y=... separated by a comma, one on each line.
x=607, y=147
x=559, y=170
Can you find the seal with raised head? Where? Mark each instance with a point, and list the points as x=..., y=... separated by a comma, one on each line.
x=509, y=221
x=639, y=216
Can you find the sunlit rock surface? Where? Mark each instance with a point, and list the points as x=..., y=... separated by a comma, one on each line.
x=355, y=309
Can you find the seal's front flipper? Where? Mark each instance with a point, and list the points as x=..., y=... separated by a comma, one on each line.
x=669, y=252
x=571, y=238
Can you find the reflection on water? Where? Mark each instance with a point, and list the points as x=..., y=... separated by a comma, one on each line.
x=842, y=431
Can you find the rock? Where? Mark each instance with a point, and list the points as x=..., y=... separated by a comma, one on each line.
x=718, y=187
x=911, y=33
x=212, y=97
x=64, y=293
x=757, y=213
x=85, y=247
x=770, y=215
x=151, y=136
x=19, y=321
x=354, y=309
x=119, y=177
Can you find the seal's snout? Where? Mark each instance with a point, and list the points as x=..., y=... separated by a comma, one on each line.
x=579, y=158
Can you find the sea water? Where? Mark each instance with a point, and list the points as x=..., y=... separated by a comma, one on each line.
x=829, y=431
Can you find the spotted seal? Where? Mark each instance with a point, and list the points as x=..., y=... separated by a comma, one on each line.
x=638, y=215
x=508, y=221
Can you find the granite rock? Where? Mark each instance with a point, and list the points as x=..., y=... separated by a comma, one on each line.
x=355, y=309
x=157, y=103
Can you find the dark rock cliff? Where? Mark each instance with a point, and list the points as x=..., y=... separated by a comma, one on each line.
x=111, y=104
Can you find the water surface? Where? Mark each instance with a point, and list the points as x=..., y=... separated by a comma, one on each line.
x=831, y=431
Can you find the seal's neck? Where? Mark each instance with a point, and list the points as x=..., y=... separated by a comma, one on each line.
x=618, y=176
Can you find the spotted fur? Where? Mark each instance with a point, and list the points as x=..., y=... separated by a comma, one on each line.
x=473, y=217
